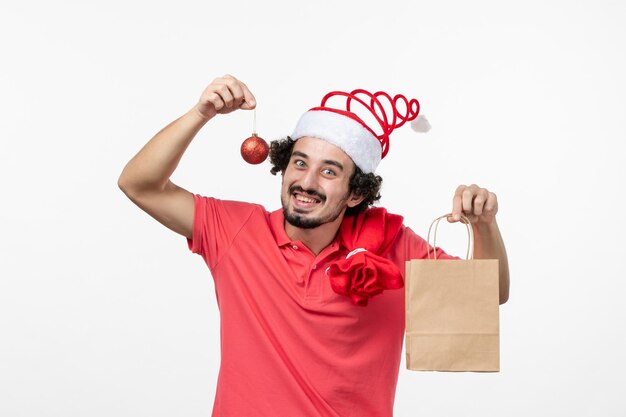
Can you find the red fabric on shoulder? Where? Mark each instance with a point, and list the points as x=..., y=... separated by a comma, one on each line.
x=365, y=273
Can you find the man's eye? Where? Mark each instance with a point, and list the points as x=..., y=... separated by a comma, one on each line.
x=328, y=171
x=299, y=162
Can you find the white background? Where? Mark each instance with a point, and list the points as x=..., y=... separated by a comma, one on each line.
x=105, y=312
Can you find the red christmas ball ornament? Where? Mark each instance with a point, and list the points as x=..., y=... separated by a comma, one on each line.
x=254, y=150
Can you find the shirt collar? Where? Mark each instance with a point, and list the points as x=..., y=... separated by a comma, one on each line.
x=277, y=224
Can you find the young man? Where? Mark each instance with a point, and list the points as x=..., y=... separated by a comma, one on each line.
x=310, y=298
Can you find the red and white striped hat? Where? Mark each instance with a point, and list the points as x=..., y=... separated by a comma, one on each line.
x=344, y=129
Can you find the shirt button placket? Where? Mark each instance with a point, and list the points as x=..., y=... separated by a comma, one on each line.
x=314, y=284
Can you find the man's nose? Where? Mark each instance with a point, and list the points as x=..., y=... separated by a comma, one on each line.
x=308, y=181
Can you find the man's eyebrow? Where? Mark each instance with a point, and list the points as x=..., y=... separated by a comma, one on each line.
x=298, y=153
x=334, y=163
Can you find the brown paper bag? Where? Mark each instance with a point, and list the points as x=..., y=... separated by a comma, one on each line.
x=452, y=312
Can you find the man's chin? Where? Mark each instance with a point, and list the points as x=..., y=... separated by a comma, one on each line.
x=298, y=219
x=302, y=212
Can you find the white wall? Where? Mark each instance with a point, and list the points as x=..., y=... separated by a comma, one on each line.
x=105, y=312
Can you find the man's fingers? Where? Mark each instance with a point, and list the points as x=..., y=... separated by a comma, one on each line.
x=225, y=94
x=479, y=201
x=236, y=89
x=491, y=206
x=468, y=197
x=457, y=208
x=233, y=94
x=215, y=99
x=242, y=97
x=250, y=101
x=473, y=202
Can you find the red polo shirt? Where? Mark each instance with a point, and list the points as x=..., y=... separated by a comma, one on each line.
x=290, y=345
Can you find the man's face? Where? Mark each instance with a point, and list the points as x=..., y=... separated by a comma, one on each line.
x=315, y=187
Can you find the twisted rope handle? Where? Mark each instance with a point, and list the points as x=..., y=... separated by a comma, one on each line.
x=470, y=236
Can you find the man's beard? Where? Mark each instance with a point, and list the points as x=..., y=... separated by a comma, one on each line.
x=297, y=220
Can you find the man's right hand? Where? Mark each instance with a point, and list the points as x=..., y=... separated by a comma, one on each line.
x=224, y=95
x=145, y=179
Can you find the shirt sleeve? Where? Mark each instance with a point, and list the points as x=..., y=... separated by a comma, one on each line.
x=215, y=226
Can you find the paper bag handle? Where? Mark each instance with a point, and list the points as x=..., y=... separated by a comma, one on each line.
x=470, y=235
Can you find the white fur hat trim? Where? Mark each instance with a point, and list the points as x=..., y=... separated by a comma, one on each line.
x=345, y=133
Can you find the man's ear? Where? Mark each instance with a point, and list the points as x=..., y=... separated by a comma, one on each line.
x=355, y=200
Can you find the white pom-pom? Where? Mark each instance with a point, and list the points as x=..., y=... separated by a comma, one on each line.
x=420, y=124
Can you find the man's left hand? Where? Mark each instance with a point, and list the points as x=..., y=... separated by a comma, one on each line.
x=479, y=205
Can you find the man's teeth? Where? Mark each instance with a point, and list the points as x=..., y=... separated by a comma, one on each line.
x=305, y=199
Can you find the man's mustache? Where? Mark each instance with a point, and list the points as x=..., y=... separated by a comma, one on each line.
x=310, y=192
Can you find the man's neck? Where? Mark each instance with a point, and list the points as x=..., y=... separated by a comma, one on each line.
x=315, y=239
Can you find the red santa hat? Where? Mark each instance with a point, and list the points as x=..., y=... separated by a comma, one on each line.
x=341, y=126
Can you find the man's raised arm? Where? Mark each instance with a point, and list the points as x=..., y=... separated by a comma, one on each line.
x=145, y=179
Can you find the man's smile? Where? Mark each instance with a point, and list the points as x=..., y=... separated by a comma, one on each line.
x=305, y=200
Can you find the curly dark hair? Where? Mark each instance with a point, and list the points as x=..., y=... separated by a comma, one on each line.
x=361, y=184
